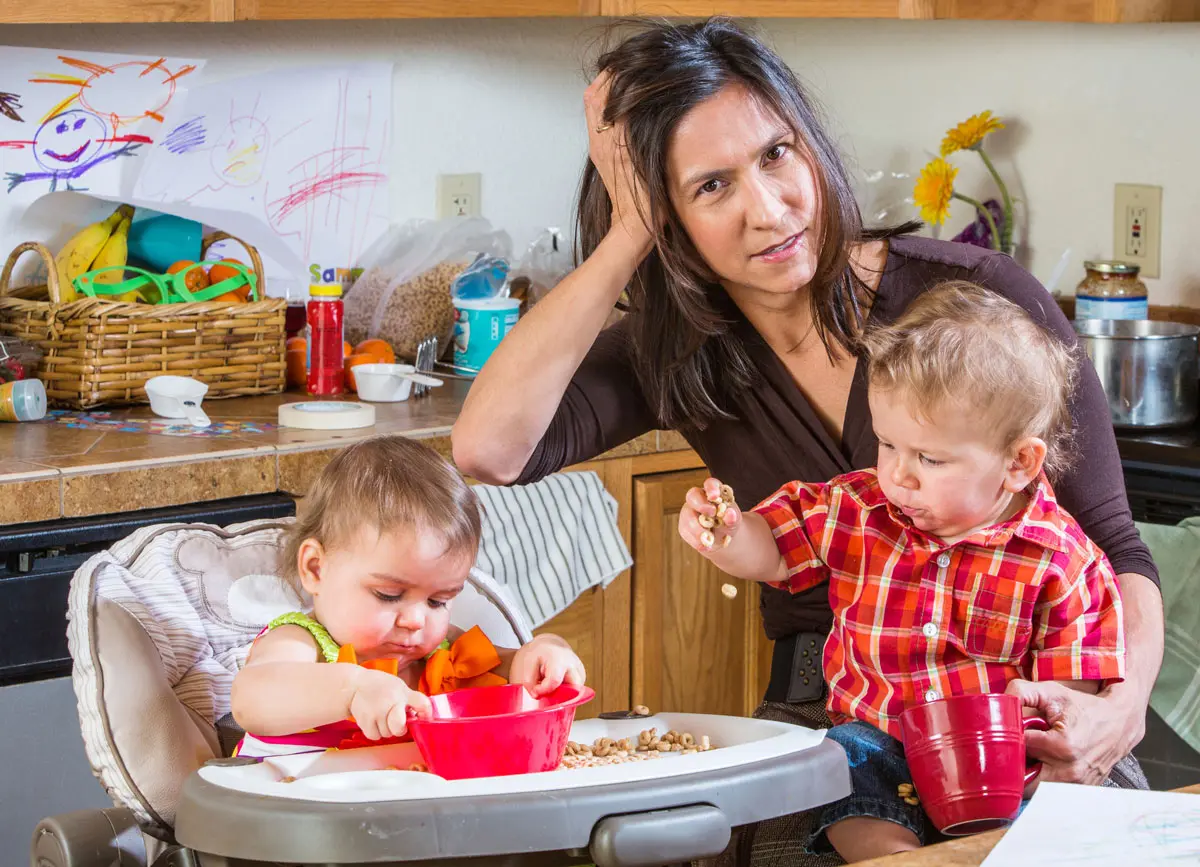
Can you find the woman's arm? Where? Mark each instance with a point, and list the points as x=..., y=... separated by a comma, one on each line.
x=517, y=394
x=1097, y=731
x=1093, y=733
x=515, y=397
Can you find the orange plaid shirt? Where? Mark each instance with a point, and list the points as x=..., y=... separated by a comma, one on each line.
x=915, y=620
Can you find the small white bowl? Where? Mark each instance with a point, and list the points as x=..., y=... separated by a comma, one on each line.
x=387, y=383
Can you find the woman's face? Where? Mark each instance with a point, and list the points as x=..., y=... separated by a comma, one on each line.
x=745, y=194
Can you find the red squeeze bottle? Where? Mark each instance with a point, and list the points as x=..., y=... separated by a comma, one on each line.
x=326, y=374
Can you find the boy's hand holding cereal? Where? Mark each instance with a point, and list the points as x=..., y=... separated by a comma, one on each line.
x=710, y=517
x=545, y=664
x=380, y=704
x=709, y=521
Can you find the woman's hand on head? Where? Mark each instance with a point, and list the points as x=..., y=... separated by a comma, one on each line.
x=609, y=152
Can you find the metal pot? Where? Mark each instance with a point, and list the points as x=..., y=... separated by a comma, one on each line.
x=1150, y=370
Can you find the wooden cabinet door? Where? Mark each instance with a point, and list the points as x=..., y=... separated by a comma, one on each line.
x=1098, y=11
x=114, y=11
x=597, y=623
x=279, y=10
x=1101, y=11
x=758, y=8
x=695, y=649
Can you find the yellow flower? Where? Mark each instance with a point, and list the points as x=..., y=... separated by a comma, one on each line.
x=933, y=190
x=970, y=133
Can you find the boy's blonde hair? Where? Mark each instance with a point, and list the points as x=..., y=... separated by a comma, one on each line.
x=959, y=345
x=389, y=483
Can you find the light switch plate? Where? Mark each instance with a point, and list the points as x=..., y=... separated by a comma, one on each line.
x=1137, y=226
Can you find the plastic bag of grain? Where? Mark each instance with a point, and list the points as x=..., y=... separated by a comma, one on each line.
x=403, y=293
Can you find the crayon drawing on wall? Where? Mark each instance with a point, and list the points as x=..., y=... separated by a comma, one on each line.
x=81, y=121
x=300, y=155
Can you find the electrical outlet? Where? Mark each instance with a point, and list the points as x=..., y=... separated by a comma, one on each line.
x=458, y=195
x=1137, y=226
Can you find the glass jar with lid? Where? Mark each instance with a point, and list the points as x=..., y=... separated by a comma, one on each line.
x=1111, y=290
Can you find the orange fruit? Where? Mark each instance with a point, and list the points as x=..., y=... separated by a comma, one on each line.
x=354, y=360
x=234, y=297
x=378, y=347
x=347, y=349
x=219, y=272
x=196, y=278
x=297, y=367
x=297, y=343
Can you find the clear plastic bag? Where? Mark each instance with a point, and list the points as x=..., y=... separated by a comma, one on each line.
x=546, y=261
x=403, y=293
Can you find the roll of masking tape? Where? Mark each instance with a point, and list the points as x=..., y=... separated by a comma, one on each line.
x=326, y=415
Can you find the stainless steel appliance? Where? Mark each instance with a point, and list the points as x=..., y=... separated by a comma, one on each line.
x=45, y=769
x=1150, y=370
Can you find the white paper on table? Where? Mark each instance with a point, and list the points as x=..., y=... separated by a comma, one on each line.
x=1068, y=824
x=81, y=120
x=293, y=161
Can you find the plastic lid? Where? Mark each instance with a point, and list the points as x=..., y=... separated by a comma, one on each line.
x=325, y=290
x=29, y=399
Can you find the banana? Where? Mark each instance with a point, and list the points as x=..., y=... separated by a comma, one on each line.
x=77, y=256
x=114, y=253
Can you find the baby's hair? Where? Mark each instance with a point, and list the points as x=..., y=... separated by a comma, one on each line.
x=960, y=345
x=388, y=483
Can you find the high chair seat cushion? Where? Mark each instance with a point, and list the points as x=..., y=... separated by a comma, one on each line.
x=147, y=721
x=155, y=648
x=159, y=624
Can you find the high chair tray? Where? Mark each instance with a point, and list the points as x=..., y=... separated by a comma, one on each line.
x=348, y=807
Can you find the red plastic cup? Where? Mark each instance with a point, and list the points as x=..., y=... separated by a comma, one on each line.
x=497, y=731
x=967, y=758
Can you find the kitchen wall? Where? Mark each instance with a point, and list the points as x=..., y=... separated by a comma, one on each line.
x=1087, y=106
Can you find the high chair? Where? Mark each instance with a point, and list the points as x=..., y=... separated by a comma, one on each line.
x=160, y=623
x=155, y=646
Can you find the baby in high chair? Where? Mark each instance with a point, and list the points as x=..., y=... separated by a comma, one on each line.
x=952, y=570
x=386, y=539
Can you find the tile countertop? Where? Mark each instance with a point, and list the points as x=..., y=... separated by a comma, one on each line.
x=49, y=470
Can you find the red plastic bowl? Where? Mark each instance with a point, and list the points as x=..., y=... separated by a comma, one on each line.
x=497, y=731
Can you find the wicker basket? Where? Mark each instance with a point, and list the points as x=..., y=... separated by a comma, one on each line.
x=100, y=352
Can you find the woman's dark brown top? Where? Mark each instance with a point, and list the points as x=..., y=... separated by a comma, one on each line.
x=778, y=437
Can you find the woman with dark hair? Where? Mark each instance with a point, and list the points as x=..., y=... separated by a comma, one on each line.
x=716, y=200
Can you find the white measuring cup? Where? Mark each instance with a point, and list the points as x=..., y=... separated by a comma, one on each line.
x=178, y=397
x=384, y=383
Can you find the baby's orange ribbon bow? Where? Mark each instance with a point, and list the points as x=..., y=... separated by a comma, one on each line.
x=469, y=662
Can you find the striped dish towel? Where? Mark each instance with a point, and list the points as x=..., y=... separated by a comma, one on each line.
x=550, y=541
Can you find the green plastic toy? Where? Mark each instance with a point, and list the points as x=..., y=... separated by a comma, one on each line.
x=166, y=288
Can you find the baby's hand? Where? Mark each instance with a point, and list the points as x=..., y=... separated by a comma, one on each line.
x=710, y=517
x=545, y=664
x=380, y=704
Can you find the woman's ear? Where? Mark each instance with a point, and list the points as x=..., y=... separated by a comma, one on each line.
x=1026, y=459
x=309, y=560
